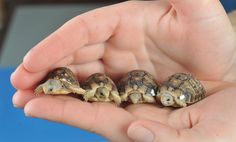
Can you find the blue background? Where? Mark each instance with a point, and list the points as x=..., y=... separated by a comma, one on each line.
x=14, y=126
x=229, y=4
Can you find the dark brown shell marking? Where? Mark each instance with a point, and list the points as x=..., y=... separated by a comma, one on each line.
x=63, y=73
x=190, y=86
x=140, y=81
x=59, y=81
x=100, y=88
x=100, y=79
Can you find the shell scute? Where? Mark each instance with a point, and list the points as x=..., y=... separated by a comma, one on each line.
x=184, y=90
x=138, y=86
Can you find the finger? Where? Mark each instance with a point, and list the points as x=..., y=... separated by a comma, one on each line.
x=118, y=62
x=93, y=52
x=89, y=53
x=84, y=55
x=82, y=71
x=149, y=131
x=150, y=112
x=105, y=119
x=25, y=80
x=30, y=79
x=182, y=118
x=22, y=97
x=76, y=33
x=178, y=119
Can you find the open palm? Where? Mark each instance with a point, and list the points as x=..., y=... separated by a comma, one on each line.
x=158, y=36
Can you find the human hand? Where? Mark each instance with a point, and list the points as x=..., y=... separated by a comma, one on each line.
x=211, y=120
x=158, y=36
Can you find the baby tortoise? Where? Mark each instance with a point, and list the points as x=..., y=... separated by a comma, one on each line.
x=60, y=81
x=100, y=88
x=138, y=86
x=181, y=90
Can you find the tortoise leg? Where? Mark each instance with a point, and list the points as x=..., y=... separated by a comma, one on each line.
x=135, y=98
x=93, y=99
x=74, y=88
x=115, y=97
x=78, y=90
x=38, y=90
x=148, y=98
x=124, y=96
x=89, y=95
x=179, y=102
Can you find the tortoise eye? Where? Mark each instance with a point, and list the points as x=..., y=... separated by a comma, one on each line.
x=101, y=95
x=50, y=89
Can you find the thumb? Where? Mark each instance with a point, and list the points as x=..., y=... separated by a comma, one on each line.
x=150, y=131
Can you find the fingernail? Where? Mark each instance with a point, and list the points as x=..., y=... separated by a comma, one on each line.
x=26, y=111
x=27, y=115
x=12, y=74
x=15, y=106
x=140, y=134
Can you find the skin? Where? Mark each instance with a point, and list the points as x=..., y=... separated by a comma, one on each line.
x=163, y=37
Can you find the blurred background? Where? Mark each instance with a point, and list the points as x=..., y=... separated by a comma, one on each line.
x=23, y=23
x=42, y=16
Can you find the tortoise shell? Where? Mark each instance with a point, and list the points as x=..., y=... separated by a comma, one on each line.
x=100, y=80
x=63, y=73
x=180, y=90
x=100, y=88
x=60, y=81
x=138, y=86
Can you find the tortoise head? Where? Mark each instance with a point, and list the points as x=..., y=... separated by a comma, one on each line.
x=167, y=99
x=135, y=97
x=173, y=98
x=52, y=86
x=102, y=93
